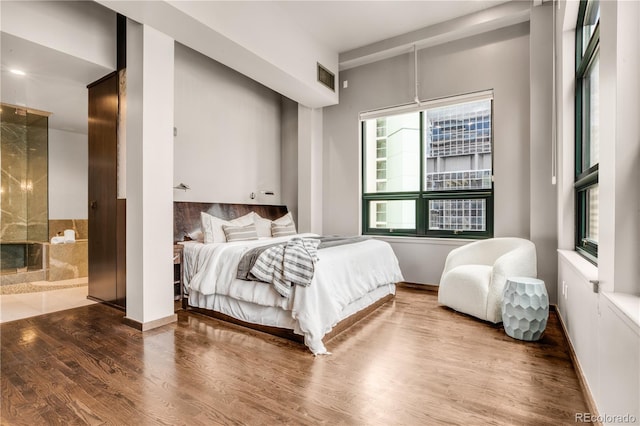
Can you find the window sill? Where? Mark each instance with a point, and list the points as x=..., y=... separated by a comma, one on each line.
x=582, y=266
x=627, y=306
x=423, y=240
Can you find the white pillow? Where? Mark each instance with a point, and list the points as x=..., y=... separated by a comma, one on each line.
x=240, y=233
x=283, y=230
x=263, y=226
x=212, y=226
x=285, y=220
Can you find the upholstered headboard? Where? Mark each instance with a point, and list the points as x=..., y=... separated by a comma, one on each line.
x=186, y=214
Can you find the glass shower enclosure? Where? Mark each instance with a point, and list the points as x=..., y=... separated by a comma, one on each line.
x=23, y=188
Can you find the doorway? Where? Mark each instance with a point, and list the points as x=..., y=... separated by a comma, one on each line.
x=42, y=276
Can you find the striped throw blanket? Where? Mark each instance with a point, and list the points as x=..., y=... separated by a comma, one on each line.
x=289, y=264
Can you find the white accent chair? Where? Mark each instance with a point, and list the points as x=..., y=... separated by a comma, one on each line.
x=475, y=275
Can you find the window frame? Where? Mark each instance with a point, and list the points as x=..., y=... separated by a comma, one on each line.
x=422, y=196
x=585, y=176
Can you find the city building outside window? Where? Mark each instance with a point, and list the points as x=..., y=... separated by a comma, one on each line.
x=427, y=171
x=587, y=128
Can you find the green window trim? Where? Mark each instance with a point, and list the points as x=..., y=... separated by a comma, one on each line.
x=586, y=174
x=422, y=197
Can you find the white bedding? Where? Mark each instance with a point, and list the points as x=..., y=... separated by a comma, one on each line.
x=343, y=276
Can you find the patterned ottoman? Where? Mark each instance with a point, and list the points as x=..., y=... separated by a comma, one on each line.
x=525, y=308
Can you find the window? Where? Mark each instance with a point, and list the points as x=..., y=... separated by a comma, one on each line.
x=587, y=128
x=428, y=171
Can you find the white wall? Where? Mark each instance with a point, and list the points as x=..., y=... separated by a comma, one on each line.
x=619, y=361
x=68, y=175
x=497, y=60
x=254, y=38
x=606, y=339
x=229, y=133
x=604, y=327
x=619, y=175
x=309, y=170
x=543, y=218
x=276, y=38
x=150, y=104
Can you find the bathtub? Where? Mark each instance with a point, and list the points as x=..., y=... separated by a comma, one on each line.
x=33, y=261
x=67, y=261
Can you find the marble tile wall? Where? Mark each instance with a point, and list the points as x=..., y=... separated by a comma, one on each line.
x=44, y=261
x=13, y=159
x=71, y=260
x=67, y=261
x=81, y=226
x=38, y=177
x=24, y=179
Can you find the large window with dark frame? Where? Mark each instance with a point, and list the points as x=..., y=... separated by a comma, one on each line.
x=587, y=146
x=427, y=171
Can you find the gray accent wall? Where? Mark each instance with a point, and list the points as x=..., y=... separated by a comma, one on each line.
x=289, y=170
x=228, y=142
x=497, y=60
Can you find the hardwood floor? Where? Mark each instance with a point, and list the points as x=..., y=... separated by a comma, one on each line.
x=410, y=362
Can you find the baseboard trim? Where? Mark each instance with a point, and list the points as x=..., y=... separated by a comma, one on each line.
x=591, y=403
x=151, y=324
x=424, y=287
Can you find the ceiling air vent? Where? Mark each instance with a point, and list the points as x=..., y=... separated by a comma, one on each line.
x=326, y=77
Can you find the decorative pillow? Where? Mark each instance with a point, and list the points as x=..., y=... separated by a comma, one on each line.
x=263, y=226
x=212, y=226
x=195, y=236
x=240, y=233
x=284, y=220
x=282, y=230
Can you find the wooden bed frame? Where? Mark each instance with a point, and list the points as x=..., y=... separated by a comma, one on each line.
x=186, y=217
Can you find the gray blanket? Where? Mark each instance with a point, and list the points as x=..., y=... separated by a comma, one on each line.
x=248, y=259
x=286, y=265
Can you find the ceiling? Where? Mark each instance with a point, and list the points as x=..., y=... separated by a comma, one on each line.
x=346, y=25
x=56, y=82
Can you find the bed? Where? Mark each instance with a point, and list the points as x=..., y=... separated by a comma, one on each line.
x=349, y=280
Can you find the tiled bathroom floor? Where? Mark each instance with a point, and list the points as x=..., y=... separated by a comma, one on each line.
x=17, y=306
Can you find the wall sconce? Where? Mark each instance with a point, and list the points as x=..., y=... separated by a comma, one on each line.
x=253, y=194
x=182, y=186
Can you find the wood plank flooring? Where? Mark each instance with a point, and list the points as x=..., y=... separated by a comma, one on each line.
x=410, y=362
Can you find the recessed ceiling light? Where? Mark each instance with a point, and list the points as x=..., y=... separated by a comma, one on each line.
x=18, y=72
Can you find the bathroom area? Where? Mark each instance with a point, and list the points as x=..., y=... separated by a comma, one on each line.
x=44, y=150
x=33, y=247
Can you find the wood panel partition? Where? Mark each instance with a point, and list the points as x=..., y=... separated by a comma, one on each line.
x=103, y=209
x=186, y=215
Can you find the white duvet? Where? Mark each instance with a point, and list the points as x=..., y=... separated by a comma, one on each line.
x=343, y=274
